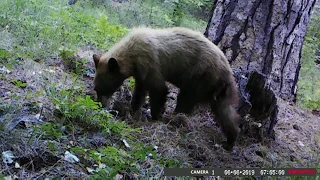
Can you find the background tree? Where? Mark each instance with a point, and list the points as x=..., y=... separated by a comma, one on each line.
x=263, y=35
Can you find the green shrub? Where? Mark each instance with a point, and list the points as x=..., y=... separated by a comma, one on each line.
x=308, y=86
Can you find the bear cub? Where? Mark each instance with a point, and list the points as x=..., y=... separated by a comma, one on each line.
x=181, y=56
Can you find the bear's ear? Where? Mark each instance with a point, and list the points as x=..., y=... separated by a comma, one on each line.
x=96, y=59
x=113, y=65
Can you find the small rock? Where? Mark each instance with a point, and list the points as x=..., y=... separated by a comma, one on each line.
x=7, y=178
x=150, y=156
x=155, y=147
x=4, y=70
x=37, y=116
x=90, y=170
x=148, y=114
x=90, y=74
x=70, y=157
x=17, y=165
x=7, y=157
x=118, y=177
x=126, y=143
x=235, y=153
x=216, y=146
x=97, y=141
x=301, y=144
x=102, y=165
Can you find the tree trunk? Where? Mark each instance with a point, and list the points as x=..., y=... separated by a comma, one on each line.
x=263, y=35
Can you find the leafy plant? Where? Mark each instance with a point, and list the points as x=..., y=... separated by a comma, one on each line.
x=108, y=32
x=178, y=13
x=72, y=106
x=116, y=159
x=76, y=107
x=66, y=53
x=20, y=84
x=170, y=163
x=4, y=54
x=52, y=146
x=131, y=82
x=50, y=130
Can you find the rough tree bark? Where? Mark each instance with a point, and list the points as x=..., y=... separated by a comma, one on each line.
x=263, y=35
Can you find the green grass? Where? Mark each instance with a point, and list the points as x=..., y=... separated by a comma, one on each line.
x=309, y=82
x=75, y=109
x=38, y=28
x=309, y=92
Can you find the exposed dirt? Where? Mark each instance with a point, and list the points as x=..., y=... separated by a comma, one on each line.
x=194, y=140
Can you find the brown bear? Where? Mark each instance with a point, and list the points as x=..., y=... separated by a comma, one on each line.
x=181, y=56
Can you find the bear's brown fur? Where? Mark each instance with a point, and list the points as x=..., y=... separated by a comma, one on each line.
x=180, y=56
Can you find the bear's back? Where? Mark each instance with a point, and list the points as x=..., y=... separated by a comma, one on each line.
x=182, y=54
x=175, y=53
x=176, y=45
x=178, y=42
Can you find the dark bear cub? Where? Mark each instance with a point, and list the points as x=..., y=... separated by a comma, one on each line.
x=180, y=56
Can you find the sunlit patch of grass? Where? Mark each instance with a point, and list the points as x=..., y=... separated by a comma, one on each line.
x=40, y=27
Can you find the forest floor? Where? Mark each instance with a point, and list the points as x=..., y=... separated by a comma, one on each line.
x=193, y=141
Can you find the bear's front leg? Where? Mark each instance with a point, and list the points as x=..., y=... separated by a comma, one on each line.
x=158, y=97
x=139, y=96
x=185, y=102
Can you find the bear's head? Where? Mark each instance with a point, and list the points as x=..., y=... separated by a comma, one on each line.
x=108, y=77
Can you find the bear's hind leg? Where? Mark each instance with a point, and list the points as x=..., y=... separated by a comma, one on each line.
x=139, y=96
x=227, y=118
x=158, y=97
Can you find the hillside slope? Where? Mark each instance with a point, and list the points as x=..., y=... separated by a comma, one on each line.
x=191, y=141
